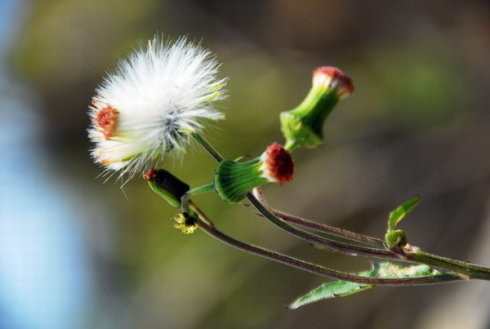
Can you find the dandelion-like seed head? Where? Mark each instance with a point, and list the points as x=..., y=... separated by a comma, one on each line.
x=152, y=103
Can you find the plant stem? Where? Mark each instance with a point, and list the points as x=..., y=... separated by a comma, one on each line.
x=408, y=253
x=473, y=271
x=321, y=227
x=201, y=189
x=342, y=247
x=208, y=147
x=339, y=246
x=206, y=225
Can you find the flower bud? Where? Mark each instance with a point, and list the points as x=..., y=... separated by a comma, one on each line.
x=185, y=223
x=395, y=239
x=166, y=185
x=234, y=179
x=303, y=125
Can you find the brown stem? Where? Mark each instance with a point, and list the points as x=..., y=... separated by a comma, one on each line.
x=443, y=263
x=409, y=253
x=321, y=227
x=206, y=225
x=338, y=246
x=346, y=248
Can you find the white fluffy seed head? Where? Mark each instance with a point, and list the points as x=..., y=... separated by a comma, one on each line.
x=152, y=103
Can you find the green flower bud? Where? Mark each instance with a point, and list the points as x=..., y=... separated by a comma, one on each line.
x=395, y=238
x=234, y=179
x=166, y=185
x=303, y=126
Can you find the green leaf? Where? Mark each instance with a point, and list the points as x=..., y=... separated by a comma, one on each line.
x=397, y=215
x=335, y=289
x=329, y=290
x=332, y=289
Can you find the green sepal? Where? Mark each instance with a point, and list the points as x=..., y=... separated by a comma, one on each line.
x=234, y=179
x=168, y=187
x=303, y=126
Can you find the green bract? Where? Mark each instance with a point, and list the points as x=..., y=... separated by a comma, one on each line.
x=303, y=126
x=234, y=179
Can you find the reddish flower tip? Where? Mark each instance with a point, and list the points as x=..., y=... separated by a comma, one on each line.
x=150, y=174
x=279, y=165
x=332, y=77
x=106, y=120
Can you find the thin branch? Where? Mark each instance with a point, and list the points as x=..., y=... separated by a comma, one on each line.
x=410, y=253
x=471, y=270
x=328, y=229
x=206, y=225
x=321, y=227
x=342, y=247
x=405, y=253
x=208, y=147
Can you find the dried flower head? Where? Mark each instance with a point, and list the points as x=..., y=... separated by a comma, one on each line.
x=152, y=103
x=277, y=164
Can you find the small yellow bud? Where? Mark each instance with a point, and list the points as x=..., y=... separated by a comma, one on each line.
x=185, y=223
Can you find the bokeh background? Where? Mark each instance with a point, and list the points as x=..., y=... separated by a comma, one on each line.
x=78, y=253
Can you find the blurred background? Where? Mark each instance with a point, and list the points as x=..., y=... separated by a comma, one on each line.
x=78, y=253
